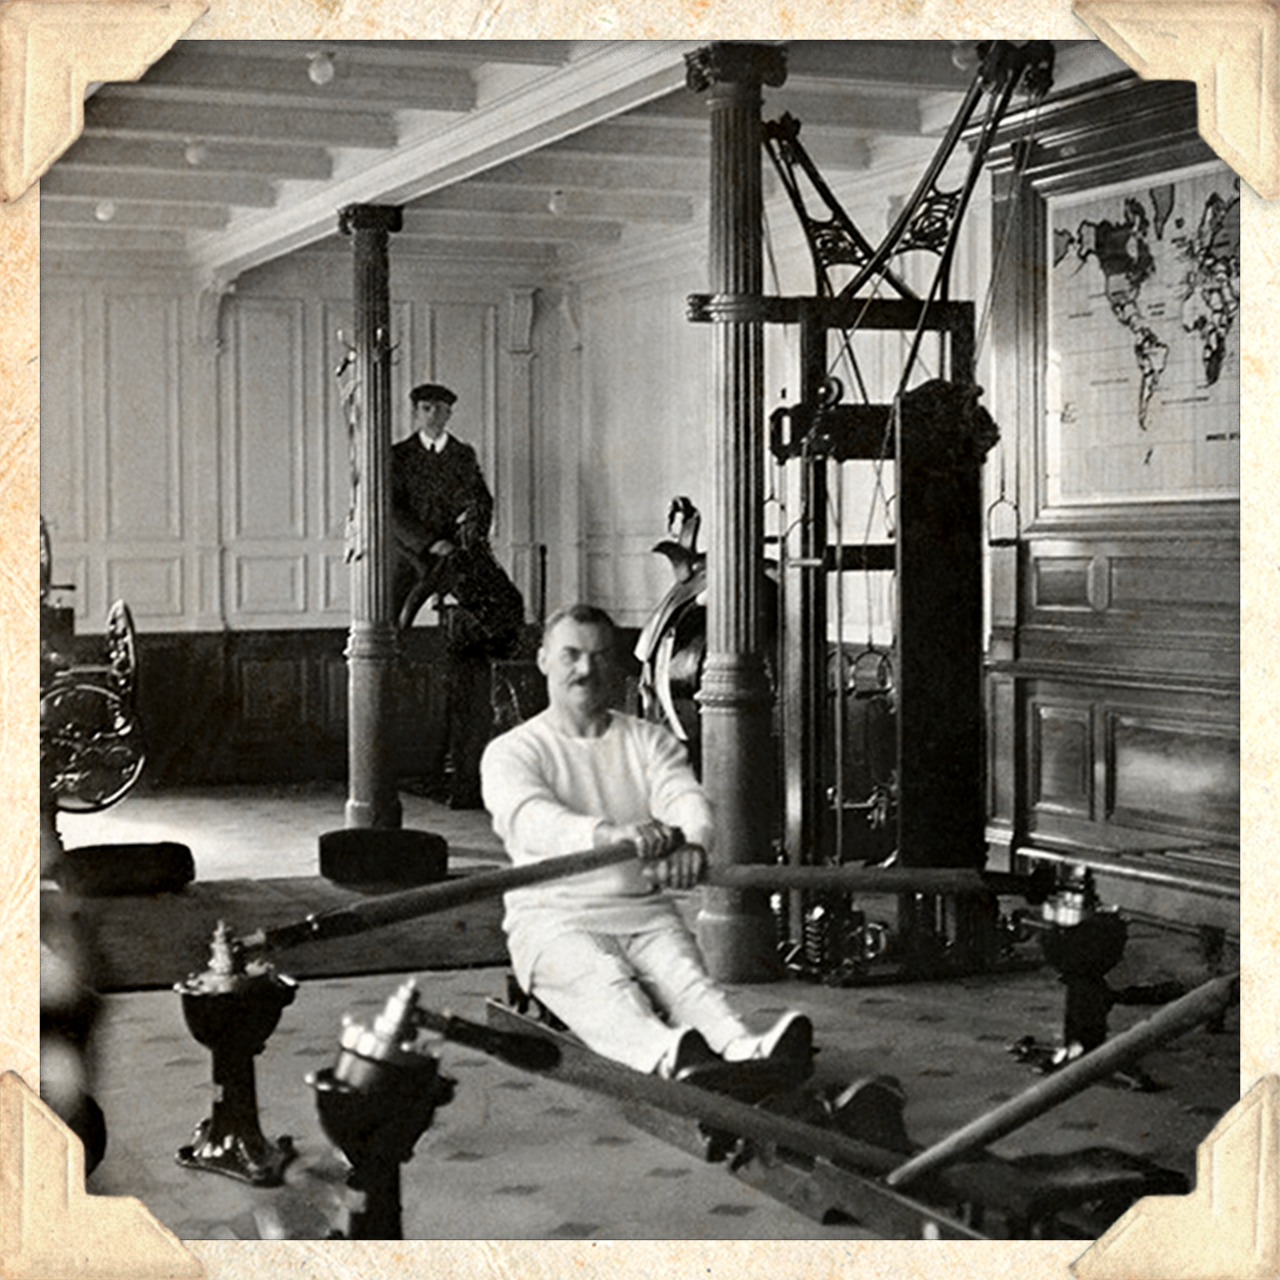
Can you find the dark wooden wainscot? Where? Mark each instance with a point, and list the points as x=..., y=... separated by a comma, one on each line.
x=1113, y=675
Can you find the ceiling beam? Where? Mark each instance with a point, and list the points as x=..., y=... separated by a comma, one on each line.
x=99, y=263
x=679, y=139
x=187, y=74
x=546, y=53
x=547, y=227
x=161, y=155
x=107, y=238
x=536, y=255
x=865, y=112
x=917, y=65
x=578, y=202
x=109, y=110
x=172, y=188
x=690, y=140
x=604, y=80
x=837, y=149
x=555, y=167
x=56, y=211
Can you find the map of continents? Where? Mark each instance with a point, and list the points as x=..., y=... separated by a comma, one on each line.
x=1145, y=295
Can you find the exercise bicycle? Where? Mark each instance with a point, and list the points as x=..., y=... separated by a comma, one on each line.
x=91, y=743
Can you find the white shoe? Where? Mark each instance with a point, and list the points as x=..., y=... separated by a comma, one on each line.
x=790, y=1039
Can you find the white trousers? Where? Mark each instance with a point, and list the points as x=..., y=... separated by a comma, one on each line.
x=631, y=996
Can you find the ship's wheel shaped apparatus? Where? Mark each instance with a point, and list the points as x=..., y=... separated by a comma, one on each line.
x=91, y=745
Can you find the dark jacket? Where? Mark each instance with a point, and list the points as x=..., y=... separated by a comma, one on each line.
x=430, y=491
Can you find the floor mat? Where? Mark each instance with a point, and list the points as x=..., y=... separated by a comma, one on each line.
x=154, y=940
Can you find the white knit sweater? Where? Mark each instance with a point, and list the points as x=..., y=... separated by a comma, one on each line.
x=548, y=792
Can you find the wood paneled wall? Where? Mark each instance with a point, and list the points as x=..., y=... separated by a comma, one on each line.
x=1114, y=672
x=195, y=456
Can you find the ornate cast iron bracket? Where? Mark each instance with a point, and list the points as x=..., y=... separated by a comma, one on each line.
x=930, y=220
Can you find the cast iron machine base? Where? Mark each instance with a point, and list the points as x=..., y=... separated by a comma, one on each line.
x=842, y=1153
x=231, y=1009
x=375, y=1103
x=1084, y=941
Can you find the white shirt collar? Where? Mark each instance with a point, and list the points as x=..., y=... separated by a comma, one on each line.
x=437, y=445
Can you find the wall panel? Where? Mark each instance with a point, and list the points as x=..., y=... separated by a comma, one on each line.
x=267, y=422
x=1188, y=581
x=335, y=583
x=1119, y=633
x=152, y=586
x=141, y=418
x=1062, y=758
x=1173, y=773
x=63, y=457
x=645, y=427
x=266, y=583
x=463, y=356
x=128, y=410
x=273, y=694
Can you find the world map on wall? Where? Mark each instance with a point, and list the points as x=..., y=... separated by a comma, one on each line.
x=1145, y=301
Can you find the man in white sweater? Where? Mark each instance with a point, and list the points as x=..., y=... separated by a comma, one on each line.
x=607, y=951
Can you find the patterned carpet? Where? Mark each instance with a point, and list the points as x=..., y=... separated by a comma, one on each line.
x=154, y=940
x=517, y=1156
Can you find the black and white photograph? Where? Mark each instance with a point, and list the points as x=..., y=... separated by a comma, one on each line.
x=640, y=640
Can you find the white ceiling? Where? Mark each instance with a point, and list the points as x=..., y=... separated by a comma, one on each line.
x=227, y=155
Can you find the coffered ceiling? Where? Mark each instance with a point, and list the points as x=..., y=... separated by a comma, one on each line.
x=227, y=155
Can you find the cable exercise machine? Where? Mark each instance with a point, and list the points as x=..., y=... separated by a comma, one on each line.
x=881, y=742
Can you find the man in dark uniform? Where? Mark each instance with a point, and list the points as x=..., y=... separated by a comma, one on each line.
x=441, y=510
x=439, y=499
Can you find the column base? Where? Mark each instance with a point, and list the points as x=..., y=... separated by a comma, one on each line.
x=400, y=856
x=384, y=815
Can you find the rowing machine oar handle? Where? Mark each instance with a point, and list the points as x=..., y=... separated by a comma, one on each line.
x=529, y=1053
x=392, y=908
x=1196, y=1007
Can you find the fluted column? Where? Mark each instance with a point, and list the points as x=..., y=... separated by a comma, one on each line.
x=372, y=799
x=735, y=929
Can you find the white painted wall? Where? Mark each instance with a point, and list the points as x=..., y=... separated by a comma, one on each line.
x=195, y=455
x=129, y=450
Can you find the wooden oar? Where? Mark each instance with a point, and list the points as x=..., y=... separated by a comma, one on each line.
x=392, y=908
x=857, y=879
x=528, y=1052
x=1200, y=1005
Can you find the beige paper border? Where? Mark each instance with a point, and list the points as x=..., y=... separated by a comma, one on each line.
x=1229, y=48
x=52, y=50
x=602, y=19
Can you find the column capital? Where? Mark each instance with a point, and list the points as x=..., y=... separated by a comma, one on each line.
x=214, y=291
x=729, y=62
x=370, y=217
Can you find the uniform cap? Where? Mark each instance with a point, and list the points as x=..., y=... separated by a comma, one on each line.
x=429, y=392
